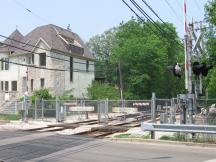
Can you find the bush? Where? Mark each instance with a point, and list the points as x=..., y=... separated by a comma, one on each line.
x=41, y=94
x=102, y=91
x=67, y=95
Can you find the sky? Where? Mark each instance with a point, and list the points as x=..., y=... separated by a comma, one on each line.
x=89, y=17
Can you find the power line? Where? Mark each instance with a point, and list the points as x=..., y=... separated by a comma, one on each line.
x=140, y=18
x=172, y=9
x=158, y=16
x=147, y=17
x=180, y=5
x=37, y=48
x=30, y=11
x=44, y=68
x=152, y=10
x=198, y=6
x=162, y=31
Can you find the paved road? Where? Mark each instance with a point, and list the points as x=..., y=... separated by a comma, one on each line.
x=49, y=147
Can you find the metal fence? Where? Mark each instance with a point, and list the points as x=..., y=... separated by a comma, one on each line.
x=163, y=110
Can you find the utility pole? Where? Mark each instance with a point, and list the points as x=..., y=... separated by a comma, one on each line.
x=190, y=87
x=120, y=80
x=193, y=52
x=188, y=66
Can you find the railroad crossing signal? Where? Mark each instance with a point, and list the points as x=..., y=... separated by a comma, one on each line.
x=201, y=68
x=177, y=70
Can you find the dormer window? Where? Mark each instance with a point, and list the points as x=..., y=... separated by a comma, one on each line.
x=42, y=59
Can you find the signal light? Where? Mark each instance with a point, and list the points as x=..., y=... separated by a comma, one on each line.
x=201, y=68
x=177, y=70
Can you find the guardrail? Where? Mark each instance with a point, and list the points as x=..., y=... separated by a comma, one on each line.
x=207, y=129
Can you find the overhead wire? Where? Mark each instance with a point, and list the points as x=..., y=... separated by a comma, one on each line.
x=181, y=6
x=155, y=13
x=30, y=11
x=175, y=13
x=44, y=68
x=148, y=17
x=39, y=67
x=198, y=6
x=140, y=18
x=161, y=30
x=27, y=44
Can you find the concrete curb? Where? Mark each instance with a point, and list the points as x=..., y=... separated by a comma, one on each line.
x=162, y=142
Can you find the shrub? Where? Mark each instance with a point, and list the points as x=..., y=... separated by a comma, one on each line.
x=41, y=93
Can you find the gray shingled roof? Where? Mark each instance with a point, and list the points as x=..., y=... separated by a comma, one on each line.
x=15, y=35
x=49, y=33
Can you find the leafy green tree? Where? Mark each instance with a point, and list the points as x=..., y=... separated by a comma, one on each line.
x=210, y=50
x=102, y=91
x=145, y=57
x=101, y=46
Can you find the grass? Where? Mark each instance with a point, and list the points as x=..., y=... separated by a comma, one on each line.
x=183, y=137
x=10, y=116
x=147, y=136
x=175, y=137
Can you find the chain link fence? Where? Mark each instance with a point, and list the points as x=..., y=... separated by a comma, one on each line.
x=163, y=110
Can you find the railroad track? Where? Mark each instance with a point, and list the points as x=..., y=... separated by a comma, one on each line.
x=113, y=126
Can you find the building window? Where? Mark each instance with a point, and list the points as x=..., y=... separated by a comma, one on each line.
x=42, y=59
x=2, y=85
x=42, y=82
x=32, y=58
x=71, y=69
x=6, y=85
x=4, y=65
x=29, y=59
x=32, y=85
x=87, y=66
x=1, y=64
x=14, y=85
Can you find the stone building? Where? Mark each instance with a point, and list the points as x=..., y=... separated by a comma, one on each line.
x=47, y=57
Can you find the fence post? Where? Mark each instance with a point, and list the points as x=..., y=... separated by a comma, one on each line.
x=24, y=116
x=57, y=109
x=42, y=111
x=99, y=114
x=35, y=108
x=16, y=109
x=172, y=111
x=153, y=108
x=107, y=111
x=153, y=112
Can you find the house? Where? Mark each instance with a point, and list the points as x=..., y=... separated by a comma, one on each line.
x=47, y=57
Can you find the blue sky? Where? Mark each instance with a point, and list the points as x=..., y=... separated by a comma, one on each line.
x=88, y=17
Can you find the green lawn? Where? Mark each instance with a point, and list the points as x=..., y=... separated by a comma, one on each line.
x=10, y=116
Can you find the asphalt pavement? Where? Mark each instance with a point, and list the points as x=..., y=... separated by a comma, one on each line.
x=50, y=147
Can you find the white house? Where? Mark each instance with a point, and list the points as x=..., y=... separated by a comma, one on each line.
x=47, y=57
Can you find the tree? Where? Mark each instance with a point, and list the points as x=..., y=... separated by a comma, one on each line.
x=102, y=91
x=145, y=57
x=210, y=55
x=101, y=46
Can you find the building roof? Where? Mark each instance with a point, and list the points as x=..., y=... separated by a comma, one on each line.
x=16, y=35
x=57, y=38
